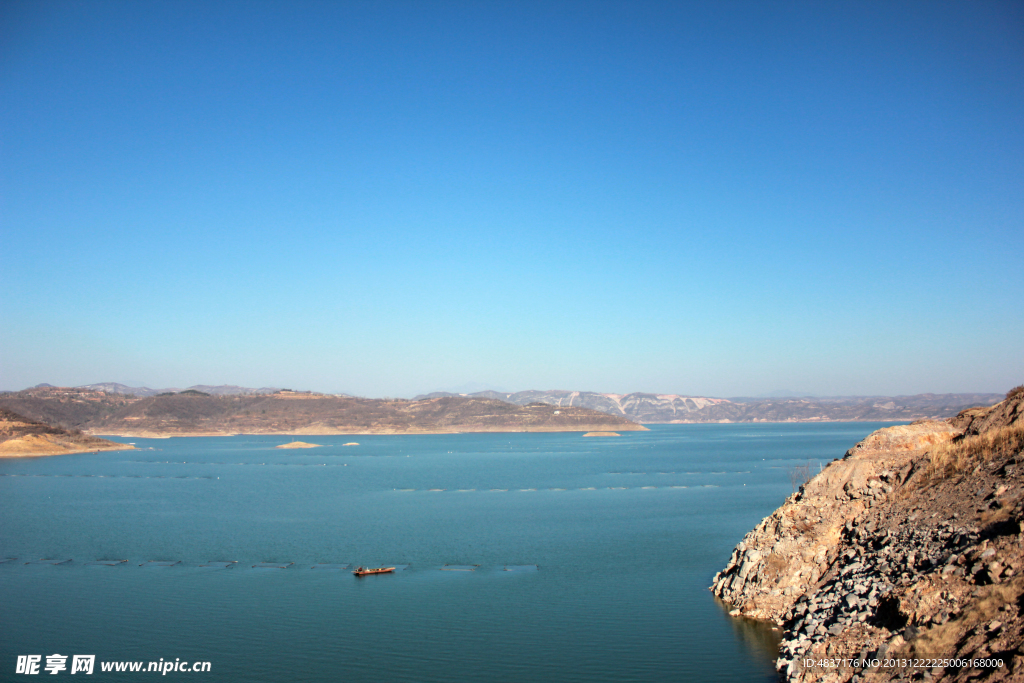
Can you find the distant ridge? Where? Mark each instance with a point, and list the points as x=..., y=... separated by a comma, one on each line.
x=231, y=390
x=648, y=408
x=676, y=409
x=116, y=388
x=142, y=392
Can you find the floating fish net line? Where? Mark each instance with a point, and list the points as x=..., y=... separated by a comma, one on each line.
x=229, y=564
x=582, y=488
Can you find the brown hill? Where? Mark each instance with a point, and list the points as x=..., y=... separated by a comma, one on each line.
x=287, y=412
x=909, y=547
x=21, y=436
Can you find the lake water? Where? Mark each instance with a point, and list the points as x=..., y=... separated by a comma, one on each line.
x=615, y=541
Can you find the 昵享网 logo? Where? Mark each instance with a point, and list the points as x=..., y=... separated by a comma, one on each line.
x=85, y=664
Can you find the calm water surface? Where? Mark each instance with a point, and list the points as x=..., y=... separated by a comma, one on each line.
x=626, y=534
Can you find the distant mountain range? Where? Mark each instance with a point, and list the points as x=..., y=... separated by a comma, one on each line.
x=142, y=392
x=651, y=408
x=645, y=408
x=673, y=408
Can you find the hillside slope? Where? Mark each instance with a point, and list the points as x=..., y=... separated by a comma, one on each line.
x=21, y=436
x=909, y=546
x=194, y=413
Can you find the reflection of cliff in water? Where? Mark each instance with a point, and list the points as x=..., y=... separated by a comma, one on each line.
x=759, y=637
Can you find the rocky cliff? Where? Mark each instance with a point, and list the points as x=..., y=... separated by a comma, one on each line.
x=908, y=547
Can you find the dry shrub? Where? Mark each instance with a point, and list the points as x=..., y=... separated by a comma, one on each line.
x=775, y=566
x=964, y=455
x=799, y=475
x=803, y=526
x=1016, y=391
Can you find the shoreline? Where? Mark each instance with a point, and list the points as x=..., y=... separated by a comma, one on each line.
x=582, y=430
x=46, y=454
x=784, y=422
x=640, y=428
x=575, y=429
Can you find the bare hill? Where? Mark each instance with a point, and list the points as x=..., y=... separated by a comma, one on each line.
x=285, y=412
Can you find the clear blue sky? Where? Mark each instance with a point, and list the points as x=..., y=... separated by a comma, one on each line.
x=384, y=198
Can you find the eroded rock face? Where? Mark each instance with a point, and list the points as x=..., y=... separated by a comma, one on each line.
x=796, y=546
x=884, y=553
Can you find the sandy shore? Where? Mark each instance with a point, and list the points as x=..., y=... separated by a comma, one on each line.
x=34, y=446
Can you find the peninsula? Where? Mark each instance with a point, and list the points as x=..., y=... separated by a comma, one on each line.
x=21, y=436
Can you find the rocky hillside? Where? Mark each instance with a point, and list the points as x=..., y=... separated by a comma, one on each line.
x=910, y=546
x=196, y=413
x=676, y=409
x=21, y=436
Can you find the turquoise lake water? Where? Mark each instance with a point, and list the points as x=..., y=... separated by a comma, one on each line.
x=614, y=542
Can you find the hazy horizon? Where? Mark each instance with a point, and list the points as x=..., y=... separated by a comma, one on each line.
x=389, y=198
x=466, y=389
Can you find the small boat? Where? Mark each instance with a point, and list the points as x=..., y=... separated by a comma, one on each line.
x=364, y=571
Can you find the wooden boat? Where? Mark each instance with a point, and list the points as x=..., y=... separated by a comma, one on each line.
x=364, y=571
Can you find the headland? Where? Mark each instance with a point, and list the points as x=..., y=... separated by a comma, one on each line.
x=23, y=437
x=910, y=546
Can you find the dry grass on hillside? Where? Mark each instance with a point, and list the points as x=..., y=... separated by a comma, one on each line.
x=991, y=602
x=963, y=456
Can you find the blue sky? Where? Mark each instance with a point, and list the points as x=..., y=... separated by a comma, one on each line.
x=386, y=198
